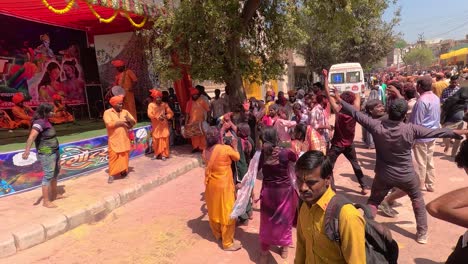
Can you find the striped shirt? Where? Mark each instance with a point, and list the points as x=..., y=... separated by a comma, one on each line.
x=449, y=91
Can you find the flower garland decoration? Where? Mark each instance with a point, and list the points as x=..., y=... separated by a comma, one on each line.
x=140, y=25
x=70, y=4
x=103, y=20
x=59, y=11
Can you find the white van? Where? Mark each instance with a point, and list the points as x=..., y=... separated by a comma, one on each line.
x=347, y=77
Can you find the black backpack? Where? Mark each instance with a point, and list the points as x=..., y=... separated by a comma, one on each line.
x=380, y=246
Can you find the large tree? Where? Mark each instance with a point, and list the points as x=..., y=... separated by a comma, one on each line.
x=346, y=31
x=226, y=41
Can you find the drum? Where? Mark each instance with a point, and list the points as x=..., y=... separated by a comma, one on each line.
x=192, y=130
x=118, y=90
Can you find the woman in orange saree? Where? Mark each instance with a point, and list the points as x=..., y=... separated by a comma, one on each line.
x=220, y=190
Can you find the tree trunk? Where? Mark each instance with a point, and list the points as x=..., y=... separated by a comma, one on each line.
x=234, y=78
x=236, y=89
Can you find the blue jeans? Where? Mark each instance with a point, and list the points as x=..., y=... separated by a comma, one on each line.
x=50, y=165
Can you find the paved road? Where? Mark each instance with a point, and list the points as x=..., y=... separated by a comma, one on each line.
x=169, y=225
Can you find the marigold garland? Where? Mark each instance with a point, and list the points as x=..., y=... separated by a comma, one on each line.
x=103, y=20
x=70, y=4
x=59, y=11
x=140, y=25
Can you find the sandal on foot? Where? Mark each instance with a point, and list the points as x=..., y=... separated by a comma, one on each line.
x=60, y=196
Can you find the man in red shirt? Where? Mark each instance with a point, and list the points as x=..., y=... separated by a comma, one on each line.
x=343, y=138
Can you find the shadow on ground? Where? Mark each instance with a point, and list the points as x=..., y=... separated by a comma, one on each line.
x=355, y=197
x=367, y=180
x=425, y=261
x=395, y=228
x=353, y=194
x=250, y=241
x=60, y=190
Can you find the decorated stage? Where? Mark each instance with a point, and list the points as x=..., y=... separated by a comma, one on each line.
x=66, y=48
x=83, y=148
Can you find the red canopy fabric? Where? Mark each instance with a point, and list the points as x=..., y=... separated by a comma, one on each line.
x=80, y=16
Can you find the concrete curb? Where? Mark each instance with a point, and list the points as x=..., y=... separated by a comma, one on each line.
x=37, y=233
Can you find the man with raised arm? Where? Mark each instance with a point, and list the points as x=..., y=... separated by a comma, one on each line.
x=394, y=167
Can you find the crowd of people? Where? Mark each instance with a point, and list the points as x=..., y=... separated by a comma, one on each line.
x=298, y=148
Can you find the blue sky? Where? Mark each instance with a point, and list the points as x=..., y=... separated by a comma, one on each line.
x=434, y=18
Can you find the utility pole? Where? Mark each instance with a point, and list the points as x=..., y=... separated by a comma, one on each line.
x=421, y=39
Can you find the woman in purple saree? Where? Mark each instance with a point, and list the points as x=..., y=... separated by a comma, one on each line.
x=278, y=197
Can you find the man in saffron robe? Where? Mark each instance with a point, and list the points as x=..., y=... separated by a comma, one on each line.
x=126, y=79
x=118, y=121
x=21, y=113
x=60, y=113
x=160, y=113
x=6, y=122
x=196, y=110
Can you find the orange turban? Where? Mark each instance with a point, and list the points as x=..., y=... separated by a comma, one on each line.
x=156, y=93
x=17, y=98
x=194, y=91
x=116, y=99
x=291, y=93
x=56, y=97
x=118, y=63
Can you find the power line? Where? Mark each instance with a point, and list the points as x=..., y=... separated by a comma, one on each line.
x=451, y=30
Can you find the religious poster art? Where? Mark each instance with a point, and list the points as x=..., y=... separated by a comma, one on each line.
x=76, y=158
x=40, y=61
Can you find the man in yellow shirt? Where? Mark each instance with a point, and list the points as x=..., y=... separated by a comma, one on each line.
x=439, y=86
x=313, y=172
x=118, y=121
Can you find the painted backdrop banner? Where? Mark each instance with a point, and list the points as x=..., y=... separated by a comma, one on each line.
x=125, y=46
x=40, y=61
x=77, y=158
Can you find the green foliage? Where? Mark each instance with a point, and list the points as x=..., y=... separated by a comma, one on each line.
x=421, y=57
x=218, y=40
x=346, y=31
x=230, y=40
x=400, y=43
